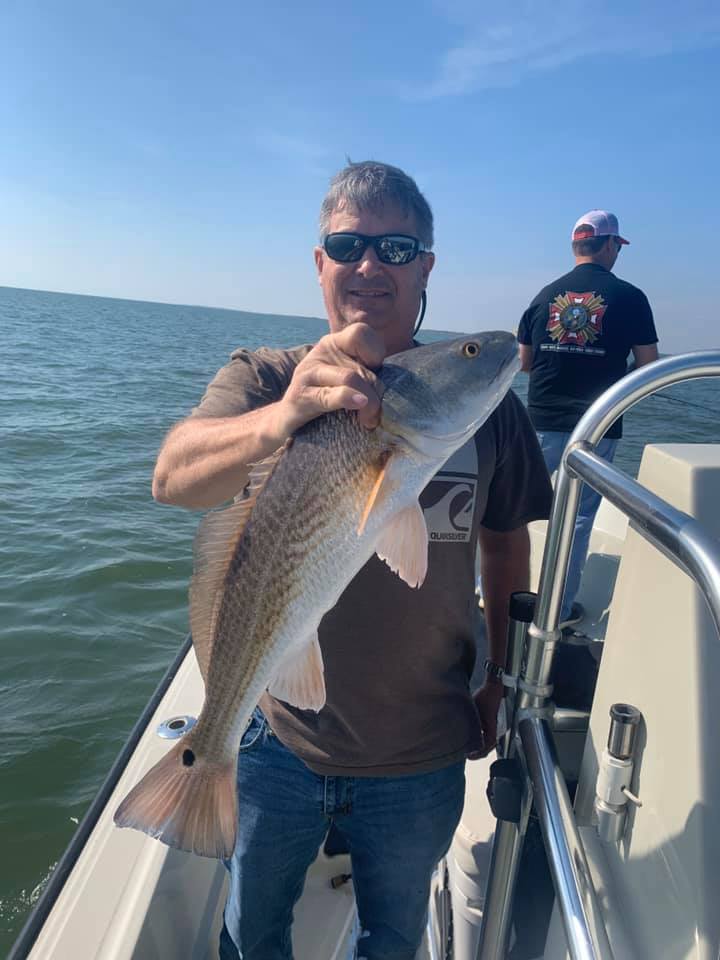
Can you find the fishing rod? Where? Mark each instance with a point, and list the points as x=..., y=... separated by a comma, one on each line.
x=687, y=403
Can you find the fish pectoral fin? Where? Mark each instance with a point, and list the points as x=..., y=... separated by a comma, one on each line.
x=300, y=679
x=375, y=496
x=403, y=545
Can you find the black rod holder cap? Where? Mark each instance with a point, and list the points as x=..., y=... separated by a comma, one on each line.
x=624, y=721
x=505, y=790
x=522, y=606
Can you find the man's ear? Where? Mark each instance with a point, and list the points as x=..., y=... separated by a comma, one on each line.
x=319, y=255
x=428, y=262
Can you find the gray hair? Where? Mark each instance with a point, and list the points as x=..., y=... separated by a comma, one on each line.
x=370, y=185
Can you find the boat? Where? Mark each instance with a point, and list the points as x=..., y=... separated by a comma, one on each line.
x=601, y=835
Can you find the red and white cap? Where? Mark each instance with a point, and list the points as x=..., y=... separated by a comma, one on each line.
x=597, y=223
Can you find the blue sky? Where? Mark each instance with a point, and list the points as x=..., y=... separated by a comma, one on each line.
x=180, y=151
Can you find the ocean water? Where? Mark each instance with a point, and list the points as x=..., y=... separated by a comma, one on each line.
x=93, y=573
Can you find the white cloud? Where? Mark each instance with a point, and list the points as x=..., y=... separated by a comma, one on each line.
x=501, y=48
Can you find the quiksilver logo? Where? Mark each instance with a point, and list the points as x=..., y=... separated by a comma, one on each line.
x=448, y=504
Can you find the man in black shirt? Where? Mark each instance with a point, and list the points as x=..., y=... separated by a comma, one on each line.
x=575, y=338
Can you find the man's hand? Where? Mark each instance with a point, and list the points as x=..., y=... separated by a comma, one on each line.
x=204, y=461
x=336, y=375
x=487, y=702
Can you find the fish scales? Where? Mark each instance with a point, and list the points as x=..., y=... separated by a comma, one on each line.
x=286, y=563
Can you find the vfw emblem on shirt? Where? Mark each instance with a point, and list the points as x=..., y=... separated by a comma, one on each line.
x=576, y=318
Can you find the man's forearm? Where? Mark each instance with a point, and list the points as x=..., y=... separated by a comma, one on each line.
x=525, y=352
x=504, y=568
x=205, y=461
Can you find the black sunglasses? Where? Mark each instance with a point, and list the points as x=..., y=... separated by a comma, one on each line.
x=393, y=248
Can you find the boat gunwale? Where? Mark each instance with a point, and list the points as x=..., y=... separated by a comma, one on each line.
x=31, y=929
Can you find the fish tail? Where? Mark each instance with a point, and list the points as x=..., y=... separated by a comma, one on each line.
x=187, y=802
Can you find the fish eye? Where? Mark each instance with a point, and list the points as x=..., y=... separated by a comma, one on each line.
x=470, y=349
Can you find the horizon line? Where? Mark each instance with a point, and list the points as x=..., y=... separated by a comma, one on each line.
x=193, y=306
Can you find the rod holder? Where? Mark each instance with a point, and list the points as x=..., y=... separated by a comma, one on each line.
x=509, y=833
x=612, y=790
x=521, y=612
x=624, y=722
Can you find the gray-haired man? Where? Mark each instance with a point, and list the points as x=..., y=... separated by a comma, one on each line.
x=384, y=759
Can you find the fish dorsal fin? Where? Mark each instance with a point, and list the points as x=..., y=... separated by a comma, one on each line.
x=299, y=680
x=215, y=542
x=375, y=496
x=403, y=545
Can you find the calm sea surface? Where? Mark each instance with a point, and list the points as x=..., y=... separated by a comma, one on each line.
x=93, y=573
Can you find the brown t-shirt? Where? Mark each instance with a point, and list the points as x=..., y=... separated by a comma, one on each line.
x=398, y=660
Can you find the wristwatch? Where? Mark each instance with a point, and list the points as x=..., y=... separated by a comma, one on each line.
x=493, y=669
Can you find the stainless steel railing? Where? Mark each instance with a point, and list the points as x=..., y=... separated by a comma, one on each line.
x=579, y=908
x=681, y=539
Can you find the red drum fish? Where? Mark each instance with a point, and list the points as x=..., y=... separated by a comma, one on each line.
x=268, y=568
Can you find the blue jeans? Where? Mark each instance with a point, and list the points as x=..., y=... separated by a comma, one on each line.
x=552, y=444
x=397, y=829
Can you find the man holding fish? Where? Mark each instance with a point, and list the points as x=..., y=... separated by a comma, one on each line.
x=339, y=591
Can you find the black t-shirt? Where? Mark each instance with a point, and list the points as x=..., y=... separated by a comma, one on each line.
x=581, y=328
